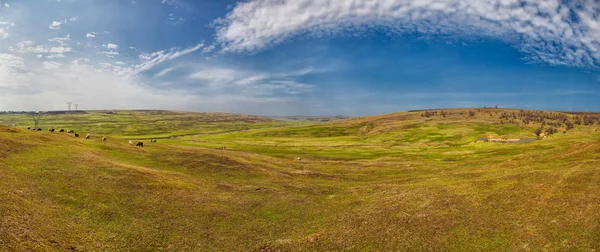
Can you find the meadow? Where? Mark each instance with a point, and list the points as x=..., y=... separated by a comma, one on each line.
x=407, y=181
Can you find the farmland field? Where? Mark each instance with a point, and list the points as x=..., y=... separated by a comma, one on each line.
x=404, y=181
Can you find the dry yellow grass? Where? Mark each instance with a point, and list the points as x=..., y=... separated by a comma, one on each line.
x=392, y=182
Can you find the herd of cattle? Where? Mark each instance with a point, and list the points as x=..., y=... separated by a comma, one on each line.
x=140, y=144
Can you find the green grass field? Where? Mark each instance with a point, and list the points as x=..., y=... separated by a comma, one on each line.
x=401, y=181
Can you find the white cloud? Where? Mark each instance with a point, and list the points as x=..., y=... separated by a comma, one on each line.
x=252, y=83
x=216, y=76
x=151, y=60
x=55, y=56
x=81, y=83
x=56, y=24
x=548, y=31
x=51, y=65
x=172, y=19
x=73, y=19
x=111, y=46
x=164, y=72
x=12, y=69
x=4, y=30
x=110, y=54
x=3, y=33
x=28, y=47
x=90, y=35
x=61, y=40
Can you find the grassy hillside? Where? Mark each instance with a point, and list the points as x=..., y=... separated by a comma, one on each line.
x=403, y=181
x=150, y=123
x=406, y=133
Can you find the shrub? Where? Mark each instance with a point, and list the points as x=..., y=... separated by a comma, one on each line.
x=538, y=131
x=569, y=125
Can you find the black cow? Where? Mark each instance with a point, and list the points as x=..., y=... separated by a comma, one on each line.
x=153, y=141
x=39, y=129
x=28, y=128
x=61, y=130
x=76, y=135
x=140, y=144
x=51, y=130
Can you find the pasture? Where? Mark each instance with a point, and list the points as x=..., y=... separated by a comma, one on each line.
x=405, y=181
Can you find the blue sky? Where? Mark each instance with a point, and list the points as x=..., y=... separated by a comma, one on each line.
x=277, y=57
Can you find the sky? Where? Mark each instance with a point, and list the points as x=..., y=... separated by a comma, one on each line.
x=299, y=57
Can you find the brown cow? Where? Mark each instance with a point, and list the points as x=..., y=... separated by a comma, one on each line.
x=140, y=144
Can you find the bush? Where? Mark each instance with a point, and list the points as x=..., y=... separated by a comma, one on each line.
x=569, y=125
x=538, y=131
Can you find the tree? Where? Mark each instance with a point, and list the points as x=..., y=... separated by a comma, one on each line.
x=538, y=131
x=569, y=125
x=550, y=131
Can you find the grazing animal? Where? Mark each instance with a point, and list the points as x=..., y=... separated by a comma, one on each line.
x=61, y=130
x=298, y=158
x=153, y=141
x=70, y=131
x=28, y=128
x=87, y=136
x=76, y=135
x=39, y=129
x=130, y=142
x=140, y=144
x=51, y=130
x=104, y=138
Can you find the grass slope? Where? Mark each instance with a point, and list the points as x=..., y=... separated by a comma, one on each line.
x=391, y=182
x=145, y=123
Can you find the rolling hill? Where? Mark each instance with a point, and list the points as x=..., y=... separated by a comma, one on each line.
x=404, y=181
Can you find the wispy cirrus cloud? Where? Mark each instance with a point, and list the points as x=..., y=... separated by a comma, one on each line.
x=549, y=31
x=255, y=83
x=150, y=60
